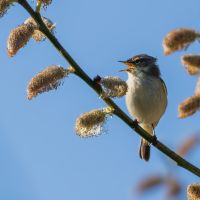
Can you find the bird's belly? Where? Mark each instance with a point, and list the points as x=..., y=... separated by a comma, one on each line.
x=146, y=102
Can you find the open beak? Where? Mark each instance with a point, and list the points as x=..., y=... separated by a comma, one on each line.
x=124, y=70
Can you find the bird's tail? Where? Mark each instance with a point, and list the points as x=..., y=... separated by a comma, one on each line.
x=144, y=150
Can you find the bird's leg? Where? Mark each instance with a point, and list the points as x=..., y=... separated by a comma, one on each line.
x=154, y=141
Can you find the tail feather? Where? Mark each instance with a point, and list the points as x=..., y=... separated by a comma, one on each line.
x=144, y=151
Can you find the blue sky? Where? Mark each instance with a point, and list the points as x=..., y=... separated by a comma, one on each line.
x=41, y=156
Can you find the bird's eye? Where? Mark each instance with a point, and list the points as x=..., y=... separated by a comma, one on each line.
x=137, y=61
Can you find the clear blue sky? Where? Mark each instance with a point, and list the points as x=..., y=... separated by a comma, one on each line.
x=41, y=156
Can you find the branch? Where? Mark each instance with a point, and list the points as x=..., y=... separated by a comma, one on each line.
x=97, y=88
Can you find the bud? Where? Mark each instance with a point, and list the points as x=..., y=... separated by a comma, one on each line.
x=193, y=191
x=18, y=38
x=191, y=63
x=150, y=182
x=48, y=79
x=38, y=35
x=4, y=6
x=113, y=86
x=179, y=39
x=91, y=123
x=188, y=145
x=189, y=106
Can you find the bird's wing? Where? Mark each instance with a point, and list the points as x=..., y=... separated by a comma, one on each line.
x=165, y=91
x=164, y=86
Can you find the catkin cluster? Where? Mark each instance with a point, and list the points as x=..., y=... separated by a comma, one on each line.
x=19, y=36
x=87, y=124
x=49, y=78
x=92, y=123
x=179, y=39
x=192, y=104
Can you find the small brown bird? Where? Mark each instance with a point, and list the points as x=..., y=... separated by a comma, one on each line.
x=146, y=98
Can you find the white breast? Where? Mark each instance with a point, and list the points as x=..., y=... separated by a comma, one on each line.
x=146, y=98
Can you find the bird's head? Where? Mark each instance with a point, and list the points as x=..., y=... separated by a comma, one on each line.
x=142, y=63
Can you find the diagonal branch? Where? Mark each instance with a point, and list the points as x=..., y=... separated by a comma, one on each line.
x=97, y=88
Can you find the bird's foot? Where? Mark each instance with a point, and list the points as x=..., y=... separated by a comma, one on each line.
x=155, y=140
x=135, y=122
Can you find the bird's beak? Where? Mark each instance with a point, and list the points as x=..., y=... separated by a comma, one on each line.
x=124, y=62
x=124, y=70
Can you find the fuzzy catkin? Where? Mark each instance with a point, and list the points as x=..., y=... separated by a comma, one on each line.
x=113, y=86
x=48, y=79
x=90, y=123
x=150, y=182
x=193, y=191
x=187, y=145
x=189, y=106
x=4, y=6
x=178, y=39
x=38, y=35
x=18, y=38
x=174, y=187
x=191, y=63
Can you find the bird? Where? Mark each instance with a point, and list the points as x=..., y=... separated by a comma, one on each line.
x=146, y=98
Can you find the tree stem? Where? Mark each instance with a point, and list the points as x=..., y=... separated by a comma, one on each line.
x=97, y=88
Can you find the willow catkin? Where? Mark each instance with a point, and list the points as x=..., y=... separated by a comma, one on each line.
x=38, y=35
x=178, y=39
x=187, y=145
x=191, y=63
x=150, y=182
x=193, y=191
x=18, y=38
x=92, y=123
x=48, y=79
x=4, y=6
x=113, y=86
x=189, y=106
x=174, y=187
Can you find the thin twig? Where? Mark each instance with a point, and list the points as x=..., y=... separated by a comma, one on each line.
x=97, y=88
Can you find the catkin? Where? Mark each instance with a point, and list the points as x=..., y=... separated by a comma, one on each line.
x=37, y=34
x=48, y=79
x=4, y=6
x=193, y=191
x=191, y=63
x=18, y=38
x=189, y=106
x=113, y=86
x=92, y=123
x=178, y=39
